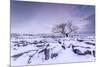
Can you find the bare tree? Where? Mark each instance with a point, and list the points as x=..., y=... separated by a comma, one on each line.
x=65, y=28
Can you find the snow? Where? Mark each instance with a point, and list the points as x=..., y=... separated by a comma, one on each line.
x=64, y=55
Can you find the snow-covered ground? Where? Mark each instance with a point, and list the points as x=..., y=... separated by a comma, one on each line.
x=33, y=51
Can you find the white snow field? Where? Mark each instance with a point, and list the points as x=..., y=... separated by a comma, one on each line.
x=38, y=50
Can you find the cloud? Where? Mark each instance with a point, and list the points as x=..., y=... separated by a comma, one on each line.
x=41, y=17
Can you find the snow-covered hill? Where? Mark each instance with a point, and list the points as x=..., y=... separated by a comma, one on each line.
x=41, y=50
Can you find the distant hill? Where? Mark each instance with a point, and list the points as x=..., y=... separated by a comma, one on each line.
x=18, y=35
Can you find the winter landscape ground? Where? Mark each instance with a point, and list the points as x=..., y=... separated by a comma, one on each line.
x=28, y=49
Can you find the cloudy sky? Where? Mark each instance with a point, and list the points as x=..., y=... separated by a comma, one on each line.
x=35, y=17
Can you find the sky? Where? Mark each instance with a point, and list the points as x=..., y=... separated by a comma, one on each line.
x=36, y=17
